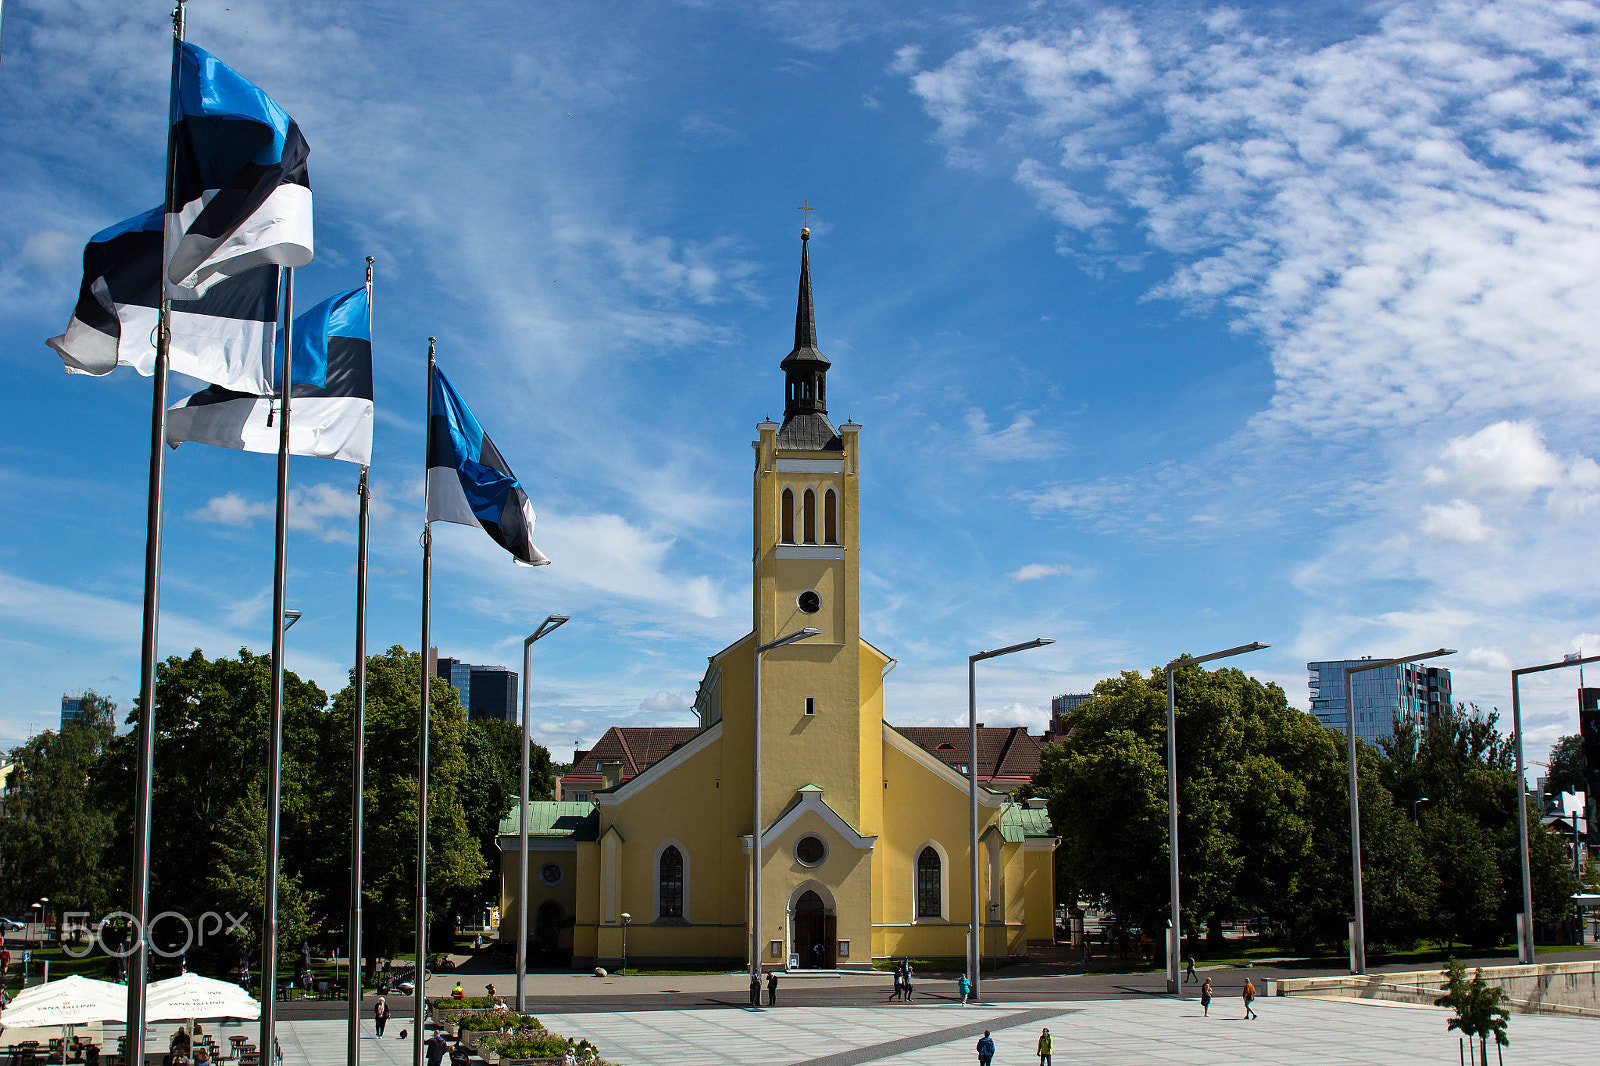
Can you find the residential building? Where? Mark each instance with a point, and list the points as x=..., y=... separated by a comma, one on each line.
x=1407, y=692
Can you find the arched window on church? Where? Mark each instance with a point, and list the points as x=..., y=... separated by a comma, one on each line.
x=830, y=518
x=671, y=882
x=929, y=905
x=811, y=517
x=788, y=516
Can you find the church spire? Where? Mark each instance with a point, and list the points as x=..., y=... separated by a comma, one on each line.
x=805, y=408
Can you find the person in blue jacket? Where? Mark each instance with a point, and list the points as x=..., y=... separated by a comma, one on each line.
x=985, y=1049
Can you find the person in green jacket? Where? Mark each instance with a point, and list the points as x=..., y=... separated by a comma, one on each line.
x=965, y=987
x=1044, y=1048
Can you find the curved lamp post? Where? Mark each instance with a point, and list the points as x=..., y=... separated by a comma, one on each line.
x=974, y=935
x=755, y=791
x=549, y=625
x=1525, y=932
x=626, y=918
x=1358, y=934
x=1174, y=934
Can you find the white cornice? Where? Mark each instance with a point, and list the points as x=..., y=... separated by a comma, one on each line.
x=810, y=466
x=809, y=551
x=939, y=767
x=643, y=779
x=812, y=801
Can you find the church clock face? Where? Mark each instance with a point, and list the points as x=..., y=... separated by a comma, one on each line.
x=809, y=601
x=550, y=873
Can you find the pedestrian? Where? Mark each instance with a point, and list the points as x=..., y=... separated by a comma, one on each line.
x=905, y=981
x=488, y=989
x=985, y=1048
x=1044, y=1048
x=458, y=992
x=755, y=990
x=1205, y=997
x=899, y=978
x=1086, y=954
x=436, y=1048
x=1249, y=995
x=380, y=1014
x=5, y=961
x=965, y=987
x=772, y=988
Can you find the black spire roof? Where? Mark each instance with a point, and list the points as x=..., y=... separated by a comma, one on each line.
x=805, y=411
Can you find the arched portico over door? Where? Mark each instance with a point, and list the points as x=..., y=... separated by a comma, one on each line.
x=813, y=927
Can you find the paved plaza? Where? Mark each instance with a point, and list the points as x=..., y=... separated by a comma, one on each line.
x=1099, y=1032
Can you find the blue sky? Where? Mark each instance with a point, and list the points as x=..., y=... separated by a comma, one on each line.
x=1170, y=327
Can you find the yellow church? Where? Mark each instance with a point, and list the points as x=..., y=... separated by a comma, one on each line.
x=798, y=826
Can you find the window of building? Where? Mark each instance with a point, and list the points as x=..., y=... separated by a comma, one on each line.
x=830, y=518
x=929, y=903
x=810, y=850
x=811, y=517
x=811, y=705
x=671, y=882
x=787, y=518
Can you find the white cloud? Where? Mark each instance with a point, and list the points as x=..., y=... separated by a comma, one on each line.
x=1457, y=521
x=667, y=701
x=1507, y=458
x=1036, y=571
x=230, y=509
x=1022, y=439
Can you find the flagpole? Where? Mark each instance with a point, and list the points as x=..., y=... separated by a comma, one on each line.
x=358, y=767
x=280, y=567
x=139, y=905
x=419, y=980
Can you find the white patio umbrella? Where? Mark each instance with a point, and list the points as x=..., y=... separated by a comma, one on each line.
x=67, y=1002
x=189, y=997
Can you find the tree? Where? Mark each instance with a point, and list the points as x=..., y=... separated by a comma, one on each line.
x=1464, y=857
x=1567, y=769
x=1249, y=768
x=239, y=883
x=53, y=831
x=490, y=786
x=1477, y=1006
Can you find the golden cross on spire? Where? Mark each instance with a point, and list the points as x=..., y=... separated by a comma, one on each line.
x=805, y=206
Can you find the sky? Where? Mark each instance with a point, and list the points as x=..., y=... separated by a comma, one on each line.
x=1170, y=326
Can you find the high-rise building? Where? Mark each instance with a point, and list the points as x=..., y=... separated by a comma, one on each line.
x=485, y=691
x=71, y=707
x=1408, y=692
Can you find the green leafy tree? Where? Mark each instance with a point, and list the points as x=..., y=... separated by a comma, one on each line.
x=1567, y=770
x=490, y=785
x=1477, y=1006
x=455, y=862
x=53, y=829
x=238, y=884
x=1464, y=857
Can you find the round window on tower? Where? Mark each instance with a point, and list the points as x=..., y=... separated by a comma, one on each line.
x=810, y=850
x=550, y=874
x=809, y=601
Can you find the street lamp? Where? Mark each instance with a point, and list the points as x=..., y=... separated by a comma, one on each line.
x=1415, y=804
x=1358, y=932
x=974, y=954
x=39, y=918
x=1525, y=932
x=755, y=830
x=549, y=625
x=1174, y=937
x=626, y=918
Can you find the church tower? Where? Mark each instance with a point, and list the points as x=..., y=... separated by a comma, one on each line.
x=806, y=568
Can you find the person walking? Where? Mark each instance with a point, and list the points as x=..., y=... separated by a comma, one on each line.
x=1249, y=995
x=1205, y=997
x=772, y=988
x=985, y=1048
x=436, y=1048
x=380, y=1014
x=1189, y=974
x=905, y=981
x=899, y=978
x=1044, y=1048
x=755, y=990
x=964, y=986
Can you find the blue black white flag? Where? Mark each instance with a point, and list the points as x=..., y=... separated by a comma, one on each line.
x=225, y=337
x=242, y=197
x=331, y=413
x=469, y=483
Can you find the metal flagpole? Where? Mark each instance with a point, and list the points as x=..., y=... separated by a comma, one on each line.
x=280, y=569
x=419, y=1000
x=358, y=744
x=139, y=906
x=549, y=625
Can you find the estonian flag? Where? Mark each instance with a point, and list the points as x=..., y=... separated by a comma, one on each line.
x=226, y=336
x=331, y=412
x=469, y=483
x=241, y=195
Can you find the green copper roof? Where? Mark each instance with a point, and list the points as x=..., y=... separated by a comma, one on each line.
x=552, y=819
x=1018, y=822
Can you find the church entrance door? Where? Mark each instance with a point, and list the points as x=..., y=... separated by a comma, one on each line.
x=813, y=933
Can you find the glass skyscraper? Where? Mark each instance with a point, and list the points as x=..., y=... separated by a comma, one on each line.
x=1409, y=692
